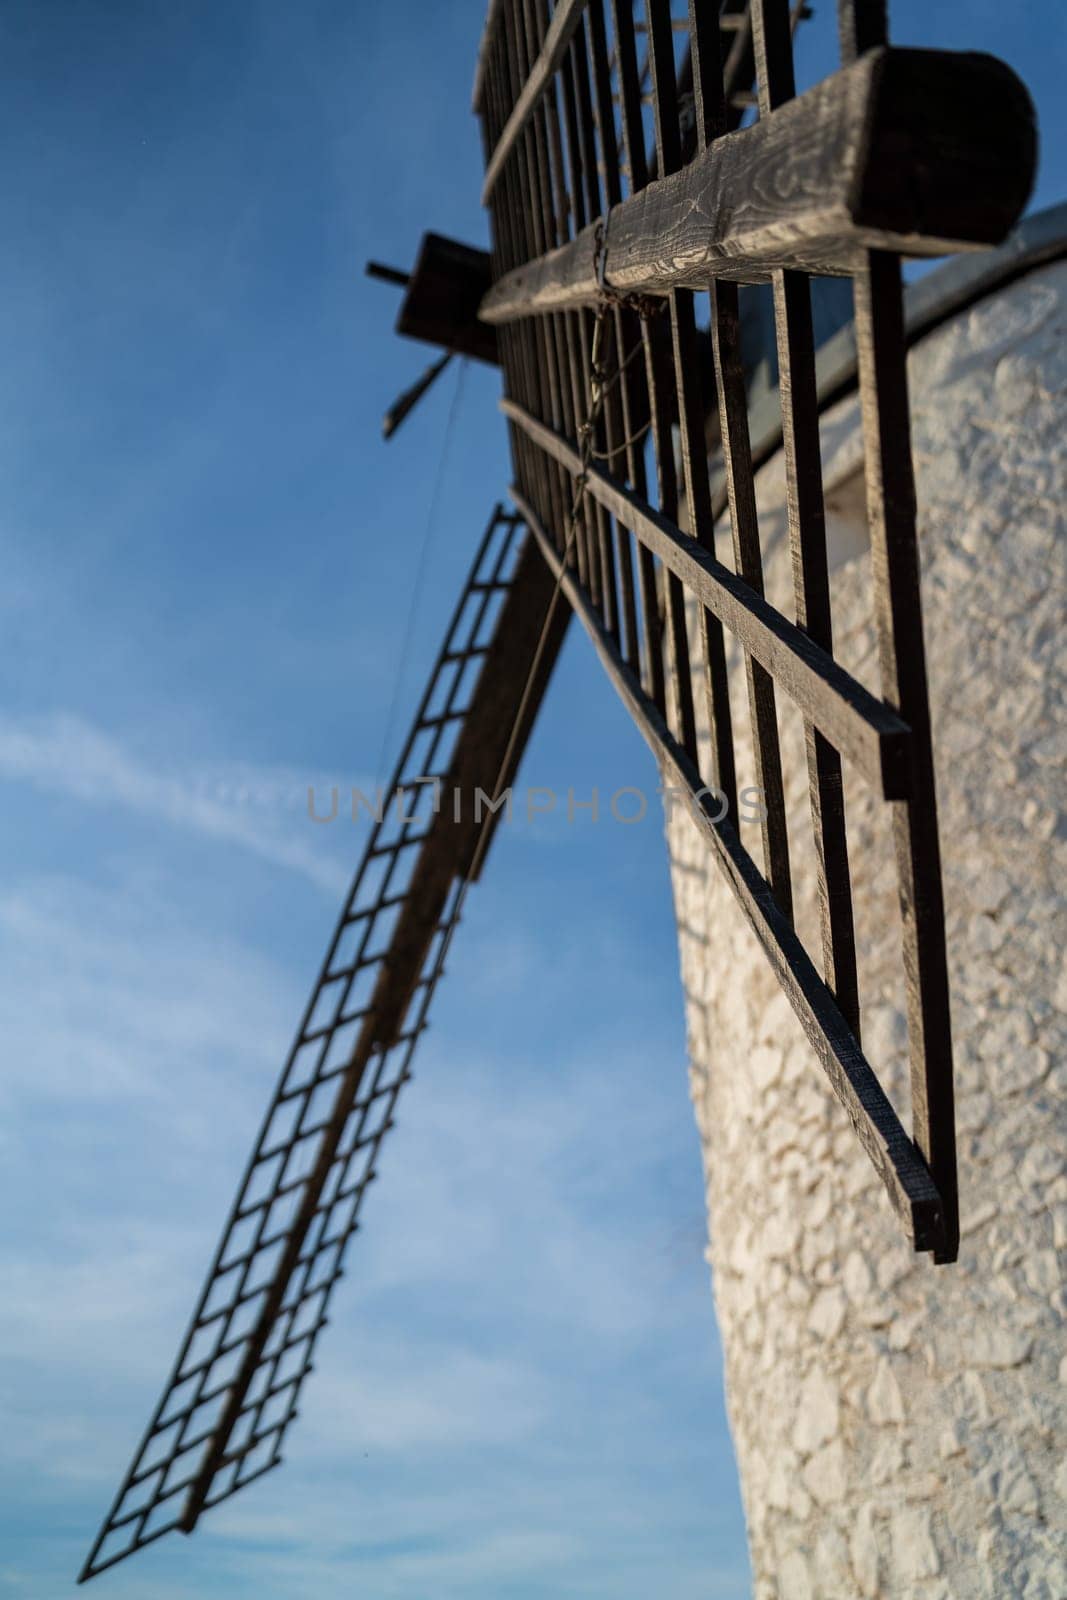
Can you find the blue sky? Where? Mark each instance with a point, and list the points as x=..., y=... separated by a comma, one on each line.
x=207, y=556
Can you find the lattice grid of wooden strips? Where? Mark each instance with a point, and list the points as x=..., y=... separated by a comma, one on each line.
x=225, y=1410
x=584, y=211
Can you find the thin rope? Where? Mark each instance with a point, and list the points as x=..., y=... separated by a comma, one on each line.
x=623, y=444
x=636, y=351
x=420, y=572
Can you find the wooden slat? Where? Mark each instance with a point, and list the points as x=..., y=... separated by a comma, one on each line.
x=709, y=110
x=663, y=410
x=616, y=433
x=637, y=399
x=689, y=408
x=874, y=157
x=541, y=339
x=580, y=325
x=881, y=344
x=865, y=730
x=898, y=614
x=564, y=21
x=485, y=51
x=542, y=214
x=906, y=1178
x=806, y=515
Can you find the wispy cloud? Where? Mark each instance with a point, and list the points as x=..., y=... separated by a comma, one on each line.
x=445, y=1401
x=111, y=996
x=263, y=810
x=486, y=1417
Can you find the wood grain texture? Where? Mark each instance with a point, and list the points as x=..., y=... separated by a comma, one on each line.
x=871, y=158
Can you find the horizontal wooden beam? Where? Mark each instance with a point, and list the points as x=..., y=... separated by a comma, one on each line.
x=864, y=729
x=900, y=1166
x=565, y=19
x=922, y=152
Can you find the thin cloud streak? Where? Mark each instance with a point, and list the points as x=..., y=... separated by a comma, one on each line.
x=263, y=810
x=500, y=1349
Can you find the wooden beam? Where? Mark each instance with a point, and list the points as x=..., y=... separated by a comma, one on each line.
x=922, y=152
x=900, y=1166
x=864, y=729
x=565, y=19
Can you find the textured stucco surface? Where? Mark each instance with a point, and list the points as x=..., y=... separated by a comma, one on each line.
x=901, y=1429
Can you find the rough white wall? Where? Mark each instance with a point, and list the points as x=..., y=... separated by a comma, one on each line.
x=901, y=1429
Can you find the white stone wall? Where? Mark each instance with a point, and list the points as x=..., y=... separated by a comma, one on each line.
x=901, y=1429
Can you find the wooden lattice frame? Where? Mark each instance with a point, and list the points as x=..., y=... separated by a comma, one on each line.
x=898, y=151
x=232, y=1395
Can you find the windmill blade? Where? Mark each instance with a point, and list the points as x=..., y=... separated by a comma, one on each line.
x=234, y=1388
x=562, y=101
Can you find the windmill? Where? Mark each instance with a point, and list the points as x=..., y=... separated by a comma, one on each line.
x=634, y=511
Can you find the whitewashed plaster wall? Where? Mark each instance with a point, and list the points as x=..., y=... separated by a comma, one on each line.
x=901, y=1429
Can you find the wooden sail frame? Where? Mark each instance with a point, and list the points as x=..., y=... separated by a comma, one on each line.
x=897, y=152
